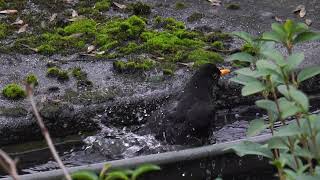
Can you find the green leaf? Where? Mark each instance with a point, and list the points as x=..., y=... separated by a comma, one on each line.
x=275, y=55
x=308, y=73
x=291, y=129
x=267, y=105
x=287, y=108
x=246, y=72
x=277, y=143
x=288, y=27
x=307, y=177
x=84, y=175
x=300, y=98
x=242, y=79
x=280, y=30
x=144, y=169
x=300, y=27
x=263, y=64
x=241, y=56
x=252, y=88
x=256, y=126
x=272, y=36
x=117, y=175
x=284, y=91
x=244, y=36
x=295, y=60
x=251, y=148
x=302, y=152
x=306, y=36
x=266, y=45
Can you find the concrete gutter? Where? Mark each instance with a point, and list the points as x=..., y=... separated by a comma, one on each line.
x=162, y=158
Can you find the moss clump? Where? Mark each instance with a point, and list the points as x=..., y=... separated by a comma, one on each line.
x=79, y=74
x=168, y=23
x=165, y=42
x=201, y=56
x=133, y=66
x=195, y=17
x=13, y=91
x=248, y=48
x=140, y=8
x=116, y=31
x=57, y=73
x=103, y=5
x=218, y=45
x=180, y=5
x=54, y=42
x=168, y=72
x=233, y=6
x=131, y=47
x=87, y=26
x=32, y=79
x=216, y=36
x=46, y=49
x=3, y=30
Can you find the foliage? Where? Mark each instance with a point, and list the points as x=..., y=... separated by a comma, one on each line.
x=121, y=174
x=13, y=91
x=32, y=79
x=294, y=148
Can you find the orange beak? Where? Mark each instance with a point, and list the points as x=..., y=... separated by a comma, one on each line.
x=224, y=71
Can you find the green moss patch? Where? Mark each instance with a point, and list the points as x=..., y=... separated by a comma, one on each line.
x=168, y=23
x=32, y=79
x=218, y=45
x=14, y=91
x=55, y=72
x=201, y=56
x=102, y=5
x=133, y=66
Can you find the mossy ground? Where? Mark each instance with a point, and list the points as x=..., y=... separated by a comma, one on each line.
x=117, y=37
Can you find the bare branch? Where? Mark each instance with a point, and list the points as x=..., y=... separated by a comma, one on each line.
x=8, y=165
x=46, y=134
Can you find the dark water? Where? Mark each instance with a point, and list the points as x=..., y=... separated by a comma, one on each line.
x=112, y=143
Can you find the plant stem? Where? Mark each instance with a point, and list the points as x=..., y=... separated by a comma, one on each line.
x=46, y=134
x=8, y=165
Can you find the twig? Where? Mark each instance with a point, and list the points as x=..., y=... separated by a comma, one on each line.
x=46, y=134
x=8, y=165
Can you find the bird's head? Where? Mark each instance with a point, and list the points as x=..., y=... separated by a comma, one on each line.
x=213, y=71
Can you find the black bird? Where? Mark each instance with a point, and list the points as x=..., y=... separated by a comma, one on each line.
x=187, y=119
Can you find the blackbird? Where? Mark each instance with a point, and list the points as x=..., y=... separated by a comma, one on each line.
x=188, y=118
